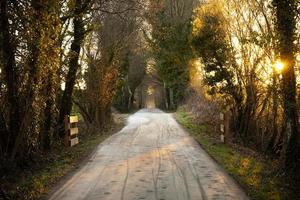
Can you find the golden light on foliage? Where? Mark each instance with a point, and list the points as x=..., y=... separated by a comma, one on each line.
x=197, y=25
x=213, y=7
x=150, y=90
x=195, y=67
x=279, y=66
x=150, y=68
x=197, y=63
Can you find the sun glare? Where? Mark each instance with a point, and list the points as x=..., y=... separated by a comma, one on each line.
x=279, y=66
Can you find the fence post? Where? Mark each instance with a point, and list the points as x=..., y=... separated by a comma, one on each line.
x=71, y=129
x=224, y=127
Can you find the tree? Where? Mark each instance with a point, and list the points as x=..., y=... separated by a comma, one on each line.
x=79, y=32
x=107, y=55
x=132, y=72
x=286, y=27
x=27, y=58
x=211, y=43
x=170, y=23
x=10, y=128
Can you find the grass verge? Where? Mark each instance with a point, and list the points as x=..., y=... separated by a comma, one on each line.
x=48, y=169
x=256, y=175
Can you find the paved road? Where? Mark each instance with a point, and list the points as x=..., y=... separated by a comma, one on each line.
x=151, y=158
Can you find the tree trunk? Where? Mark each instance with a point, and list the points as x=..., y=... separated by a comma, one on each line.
x=171, y=95
x=46, y=133
x=79, y=33
x=271, y=148
x=286, y=26
x=31, y=91
x=3, y=135
x=11, y=78
x=130, y=99
x=166, y=96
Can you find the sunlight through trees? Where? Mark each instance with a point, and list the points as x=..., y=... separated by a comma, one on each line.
x=88, y=57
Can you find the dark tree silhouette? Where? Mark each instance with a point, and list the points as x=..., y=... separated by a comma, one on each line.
x=286, y=28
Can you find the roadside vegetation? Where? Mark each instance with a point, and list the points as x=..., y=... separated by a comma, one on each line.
x=258, y=175
x=37, y=176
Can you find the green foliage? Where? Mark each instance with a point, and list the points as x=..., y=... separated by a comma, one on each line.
x=119, y=100
x=172, y=52
x=124, y=66
x=211, y=44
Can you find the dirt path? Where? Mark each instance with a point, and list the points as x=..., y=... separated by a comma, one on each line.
x=151, y=158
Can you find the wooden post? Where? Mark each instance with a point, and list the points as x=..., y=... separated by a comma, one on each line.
x=222, y=127
x=225, y=127
x=71, y=129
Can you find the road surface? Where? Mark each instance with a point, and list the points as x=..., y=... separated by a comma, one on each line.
x=152, y=158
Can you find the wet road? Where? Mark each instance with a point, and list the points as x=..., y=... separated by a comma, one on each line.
x=152, y=158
